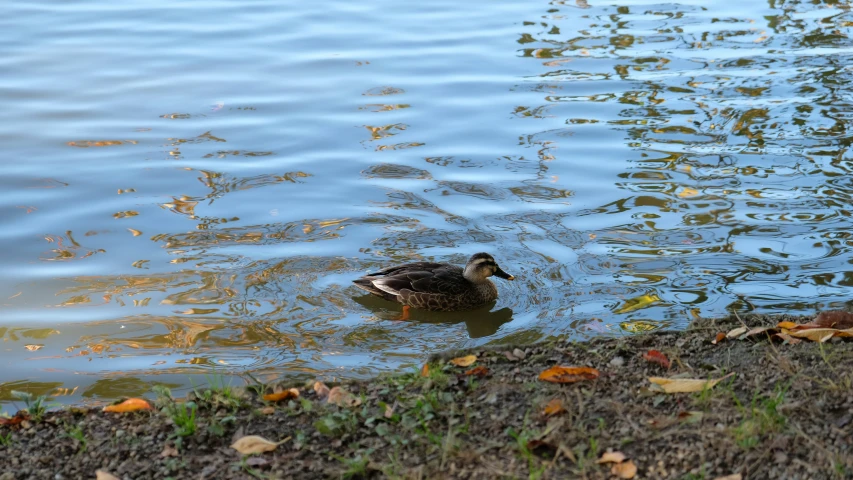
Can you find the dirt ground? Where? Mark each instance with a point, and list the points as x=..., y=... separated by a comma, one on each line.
x=784, y=412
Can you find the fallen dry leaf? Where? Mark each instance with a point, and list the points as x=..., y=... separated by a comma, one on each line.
x=129, y=405
x=343, y=398
x=268, y=410
x=612, y=457
x=321, y=390
x=787, y=338
x=786, y=325
x=389, y=411
x=719, y=338
x=16, y=419
x=560, y=374
x=835, y=319
x=283, y=395
x=624, y=470
x=554, y=407
x=480, y=371
x=737, y=332
x=686, y=385
x=425, y=370
x=655, y=356
x=465, y=361
x=254, y=444
x=819, y=335
x=103, y=475
x=758, y=331
x=169, y=451
x=734, y=476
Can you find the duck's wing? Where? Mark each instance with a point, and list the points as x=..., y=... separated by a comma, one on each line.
x=423, y=277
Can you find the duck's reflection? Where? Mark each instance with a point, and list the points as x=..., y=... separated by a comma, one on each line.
x=480, y=322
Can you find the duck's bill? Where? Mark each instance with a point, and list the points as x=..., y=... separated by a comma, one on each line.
x=500, y=273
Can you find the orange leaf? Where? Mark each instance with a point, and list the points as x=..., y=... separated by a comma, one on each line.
x=425, y=370
x=283, y=395
x=465, y=361
x=611, y=457
x=554, y=407
x=787, y=325
x=129, y=405
x=655, y=356
x=17, y=419
x=719, y=338
x=560, y=374
x=624, y=470
x=480, y=371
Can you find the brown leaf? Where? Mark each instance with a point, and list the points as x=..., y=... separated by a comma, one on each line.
x=254, y=444
x=169, y=451
x=560, y=374
x=612, y=457
x=655, y=356
x=533, y=445
x=554, y=407
x=719, y=338
x=835, y=319
x=819, y=335
x=685, y=385
x=321, y=390
x=283, y=395
x=425, y=370
x=104, y=475
x=343, y=398
x=269, y=410
x=480, y=371
x=129, y=405
x=624, y=470
x=465, y=361
x=734, y=476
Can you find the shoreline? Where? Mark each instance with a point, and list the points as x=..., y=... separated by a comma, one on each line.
x=779, y=410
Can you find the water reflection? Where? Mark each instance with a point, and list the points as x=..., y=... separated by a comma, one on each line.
x=480, y=322
x=637, y=165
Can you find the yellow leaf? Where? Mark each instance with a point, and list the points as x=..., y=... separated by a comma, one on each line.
x=612, y=457
x=135, y=233
x=129, y=405
x=788, y=325
x=464, y=361
x=283, y=395
x=560, y=374
x=637, y=303
x=254, y=444
x=686, y=385
x=624, y=470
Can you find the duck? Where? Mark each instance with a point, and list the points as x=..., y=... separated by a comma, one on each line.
x=440, y=287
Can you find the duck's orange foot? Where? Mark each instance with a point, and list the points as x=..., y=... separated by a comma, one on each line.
x=404, y=315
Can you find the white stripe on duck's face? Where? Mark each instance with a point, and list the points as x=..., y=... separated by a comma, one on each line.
x=480, y=269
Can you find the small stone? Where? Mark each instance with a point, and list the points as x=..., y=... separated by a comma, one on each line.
x=780, y=457
x=120, y=433
x=517, y=353
x=617, y=361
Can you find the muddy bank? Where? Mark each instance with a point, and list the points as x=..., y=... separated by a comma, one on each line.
x=785, y=412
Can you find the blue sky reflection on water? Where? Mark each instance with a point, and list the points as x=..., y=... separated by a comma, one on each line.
x=189, y=189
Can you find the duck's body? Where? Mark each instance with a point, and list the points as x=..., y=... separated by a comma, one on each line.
x=437, y=286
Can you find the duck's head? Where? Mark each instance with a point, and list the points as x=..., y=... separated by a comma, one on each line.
x=481, y=266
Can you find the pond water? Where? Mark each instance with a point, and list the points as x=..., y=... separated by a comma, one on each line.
x=188, y=189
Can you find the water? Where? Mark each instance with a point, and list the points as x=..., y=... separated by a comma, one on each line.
x=188, y=188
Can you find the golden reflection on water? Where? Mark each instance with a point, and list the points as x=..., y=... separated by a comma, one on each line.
x=635, y=166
